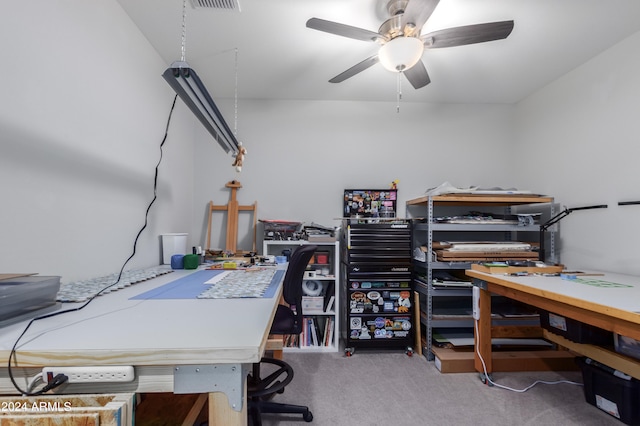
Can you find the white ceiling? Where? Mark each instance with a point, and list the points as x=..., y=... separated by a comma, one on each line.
x=279, y=58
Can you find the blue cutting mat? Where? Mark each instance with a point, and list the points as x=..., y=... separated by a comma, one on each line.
x=192, y=285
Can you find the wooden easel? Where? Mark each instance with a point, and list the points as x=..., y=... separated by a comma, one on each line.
x=232, y=210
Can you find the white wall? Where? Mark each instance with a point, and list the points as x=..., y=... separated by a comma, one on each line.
x=84, y=110
x=82, y=116
x=577, y=140
x=302, y=155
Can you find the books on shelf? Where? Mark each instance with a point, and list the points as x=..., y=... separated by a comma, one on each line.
x=316, y=332
x=330, y=304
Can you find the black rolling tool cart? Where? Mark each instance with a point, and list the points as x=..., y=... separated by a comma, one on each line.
x=376, y=280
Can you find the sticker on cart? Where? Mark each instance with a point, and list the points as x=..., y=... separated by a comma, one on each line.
x=373, y=296
x=355, y=285
x=380, y=322
x=404, y=302
x=356, y=307
x=388, y=307
x=400, y=324
x=364, y=334
x=358, y=296
x=356, y=323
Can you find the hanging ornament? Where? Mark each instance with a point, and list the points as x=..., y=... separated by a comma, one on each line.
x=239, y=157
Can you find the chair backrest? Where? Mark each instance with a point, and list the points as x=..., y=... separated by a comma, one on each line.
x=292, y=284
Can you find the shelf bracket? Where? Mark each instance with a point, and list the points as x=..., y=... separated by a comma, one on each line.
x=479, y=283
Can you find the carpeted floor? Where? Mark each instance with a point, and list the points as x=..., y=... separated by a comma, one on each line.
x=391, y=388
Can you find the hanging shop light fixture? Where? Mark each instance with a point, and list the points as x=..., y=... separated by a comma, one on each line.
x=186, y=83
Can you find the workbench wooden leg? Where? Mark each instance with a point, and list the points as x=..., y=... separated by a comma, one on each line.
x=482, y=334
x=222, y=414
x=275, y=345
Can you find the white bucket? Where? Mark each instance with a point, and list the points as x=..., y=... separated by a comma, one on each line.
x=173, y=244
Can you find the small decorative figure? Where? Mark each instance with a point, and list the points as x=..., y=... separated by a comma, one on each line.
x=394, y=184
x=242, y=151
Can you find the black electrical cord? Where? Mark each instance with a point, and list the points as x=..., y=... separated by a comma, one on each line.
x=61, y=378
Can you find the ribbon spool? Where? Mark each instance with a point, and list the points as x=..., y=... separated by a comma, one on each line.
x=191, y=261
x=177, y=261
x=312, y=288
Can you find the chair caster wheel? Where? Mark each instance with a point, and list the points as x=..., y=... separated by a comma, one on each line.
x=307, y=417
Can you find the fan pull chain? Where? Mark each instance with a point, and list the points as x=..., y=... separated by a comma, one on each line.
x=399, y=93
x=184, y=29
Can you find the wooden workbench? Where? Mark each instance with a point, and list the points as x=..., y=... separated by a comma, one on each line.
x=614, y=307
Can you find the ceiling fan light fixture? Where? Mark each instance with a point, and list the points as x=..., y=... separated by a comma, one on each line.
x=401, y=53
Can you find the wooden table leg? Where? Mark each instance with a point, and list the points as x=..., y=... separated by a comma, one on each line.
x=482, y=334
x=222, y=414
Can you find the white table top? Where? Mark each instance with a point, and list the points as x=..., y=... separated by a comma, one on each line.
x=113, y=330
x=624, y=300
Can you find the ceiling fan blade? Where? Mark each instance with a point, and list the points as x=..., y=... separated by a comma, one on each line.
x=417, y=12
x=468, y=34
x=417, y=75
x=359, y=67
x=342, y=30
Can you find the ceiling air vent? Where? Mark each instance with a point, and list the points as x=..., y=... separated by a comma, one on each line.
x=217, y=4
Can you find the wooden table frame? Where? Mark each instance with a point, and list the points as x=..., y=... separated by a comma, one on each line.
x=619, y=320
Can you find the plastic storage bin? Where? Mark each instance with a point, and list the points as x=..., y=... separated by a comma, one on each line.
x=21, y=295
x=574, y=330
x=611, y=391
x=627, y=346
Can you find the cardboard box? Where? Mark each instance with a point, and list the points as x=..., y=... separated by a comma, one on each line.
x=453, y=361
x=312, y=305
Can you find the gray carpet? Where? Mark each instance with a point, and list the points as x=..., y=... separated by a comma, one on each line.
x=391, y=388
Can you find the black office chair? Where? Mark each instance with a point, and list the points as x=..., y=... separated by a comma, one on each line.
x=287, y=320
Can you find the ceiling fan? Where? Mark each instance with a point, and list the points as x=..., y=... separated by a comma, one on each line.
x=402, y=43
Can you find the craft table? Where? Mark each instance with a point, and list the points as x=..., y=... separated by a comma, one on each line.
x=175, y=345
x=613, y=305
